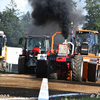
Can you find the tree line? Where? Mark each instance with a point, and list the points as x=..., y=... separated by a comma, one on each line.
x=14, y=23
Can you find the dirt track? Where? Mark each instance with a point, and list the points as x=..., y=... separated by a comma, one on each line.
x=29, y=86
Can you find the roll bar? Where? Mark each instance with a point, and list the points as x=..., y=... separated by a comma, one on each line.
x=53, y=41
x=65, y=41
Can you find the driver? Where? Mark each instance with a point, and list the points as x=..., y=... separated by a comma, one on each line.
x=36, y=50
x=90, y=40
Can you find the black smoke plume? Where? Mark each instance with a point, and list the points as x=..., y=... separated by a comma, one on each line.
x=45, y=11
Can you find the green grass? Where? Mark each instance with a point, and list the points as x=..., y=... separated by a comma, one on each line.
x=90, y=99
x=76, y=99
x=7, y=73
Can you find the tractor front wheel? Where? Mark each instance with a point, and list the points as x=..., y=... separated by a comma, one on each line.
x=98, y=73
x=52, y=69
x=21, y=65
x=77, y=71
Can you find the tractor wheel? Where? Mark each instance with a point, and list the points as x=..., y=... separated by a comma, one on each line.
x=41, y=71
x=52, y=69
x=1, y=66
x=98, y=74
x=21, y=65
x=77, y=71
x=92, y=72
x=72, y=63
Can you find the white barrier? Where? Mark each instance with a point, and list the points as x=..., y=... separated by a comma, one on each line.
x=44, y=93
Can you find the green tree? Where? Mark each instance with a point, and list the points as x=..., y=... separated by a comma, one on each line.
x=13, y=7
x=93, y=15
x=27, y=20
x=11, y=25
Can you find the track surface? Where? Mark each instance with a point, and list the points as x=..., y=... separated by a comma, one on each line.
x=29, y=86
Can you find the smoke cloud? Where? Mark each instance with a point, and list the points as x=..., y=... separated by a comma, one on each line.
x=45, y=11
x=60, y=12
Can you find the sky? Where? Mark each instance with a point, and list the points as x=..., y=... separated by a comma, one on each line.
x=24, y=6
x=80, y=5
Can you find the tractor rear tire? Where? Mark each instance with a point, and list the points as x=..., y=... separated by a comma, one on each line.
x=92, y=72
x=41, y=69
x=98, y=74
x=52, y=70
x=21, y=65
x=1, y=65
x=77, y=71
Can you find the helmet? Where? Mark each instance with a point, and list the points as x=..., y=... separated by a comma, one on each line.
x=37, y=44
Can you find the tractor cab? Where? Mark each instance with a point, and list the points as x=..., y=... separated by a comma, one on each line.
x=41, y=42
x=86, y=42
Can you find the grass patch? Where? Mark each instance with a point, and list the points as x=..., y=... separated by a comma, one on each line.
x=75, y=99
x=7, y=72
x=89, y=99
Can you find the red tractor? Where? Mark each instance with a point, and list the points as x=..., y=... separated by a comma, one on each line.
x=59, y=62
